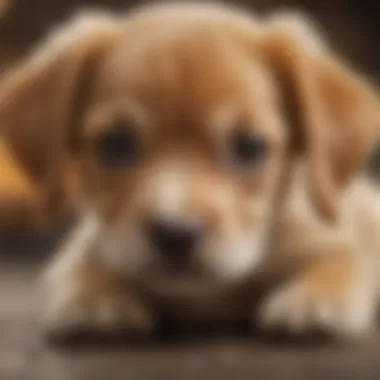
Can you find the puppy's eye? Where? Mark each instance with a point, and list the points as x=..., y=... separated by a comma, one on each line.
x=249, y=148
x=118, y=147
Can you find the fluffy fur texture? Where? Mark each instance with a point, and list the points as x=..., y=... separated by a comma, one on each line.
x=187, y=77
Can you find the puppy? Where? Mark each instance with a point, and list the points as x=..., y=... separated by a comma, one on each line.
x=215, y=162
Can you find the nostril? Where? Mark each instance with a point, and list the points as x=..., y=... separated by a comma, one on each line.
x=174, y=238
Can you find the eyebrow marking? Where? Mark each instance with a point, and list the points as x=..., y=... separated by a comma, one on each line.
x=102, y=115
x=222, y=117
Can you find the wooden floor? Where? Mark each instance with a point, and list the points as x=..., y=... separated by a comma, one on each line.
x=24, y=356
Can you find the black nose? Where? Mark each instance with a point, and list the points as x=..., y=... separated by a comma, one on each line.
x=175, y=239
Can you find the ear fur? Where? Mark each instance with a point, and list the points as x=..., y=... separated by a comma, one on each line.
x=334, y=112
x=38, y=98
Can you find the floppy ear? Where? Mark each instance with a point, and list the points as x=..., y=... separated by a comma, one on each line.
x=38, y=100
x=334, y=112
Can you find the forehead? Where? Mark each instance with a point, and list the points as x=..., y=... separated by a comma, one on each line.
x=192, y=70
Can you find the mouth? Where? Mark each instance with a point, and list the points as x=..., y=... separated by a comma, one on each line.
x=179, y=279
x=179, y=268
x=174, y=269
x=179, y=283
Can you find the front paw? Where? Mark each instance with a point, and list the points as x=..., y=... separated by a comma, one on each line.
x=301, y=309
x=71, y=314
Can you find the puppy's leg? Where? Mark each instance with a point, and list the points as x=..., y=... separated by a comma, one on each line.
x=334, y=294
x=82, y=295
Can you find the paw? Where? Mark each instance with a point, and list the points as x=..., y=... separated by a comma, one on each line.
x=71, y=314
x=302, y=309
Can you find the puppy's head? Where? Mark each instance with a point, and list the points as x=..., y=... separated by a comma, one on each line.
x=175, y=128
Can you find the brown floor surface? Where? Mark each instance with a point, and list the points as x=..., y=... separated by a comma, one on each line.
x=24, y=356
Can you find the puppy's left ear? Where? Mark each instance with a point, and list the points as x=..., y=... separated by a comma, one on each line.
x=39, y=100
x=334, y=114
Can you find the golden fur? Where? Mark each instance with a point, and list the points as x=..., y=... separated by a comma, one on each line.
x=187, y=75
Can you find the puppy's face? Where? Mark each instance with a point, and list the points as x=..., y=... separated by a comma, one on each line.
x=180, y=124
x=181, y=152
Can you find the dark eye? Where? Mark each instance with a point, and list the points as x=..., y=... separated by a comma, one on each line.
x=249, y=148
x=118, y=146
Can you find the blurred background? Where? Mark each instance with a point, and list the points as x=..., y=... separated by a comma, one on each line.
x=353, y=29
x=351, y=24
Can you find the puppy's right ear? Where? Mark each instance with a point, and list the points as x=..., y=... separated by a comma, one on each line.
x=333, y=112
x=39, y=98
